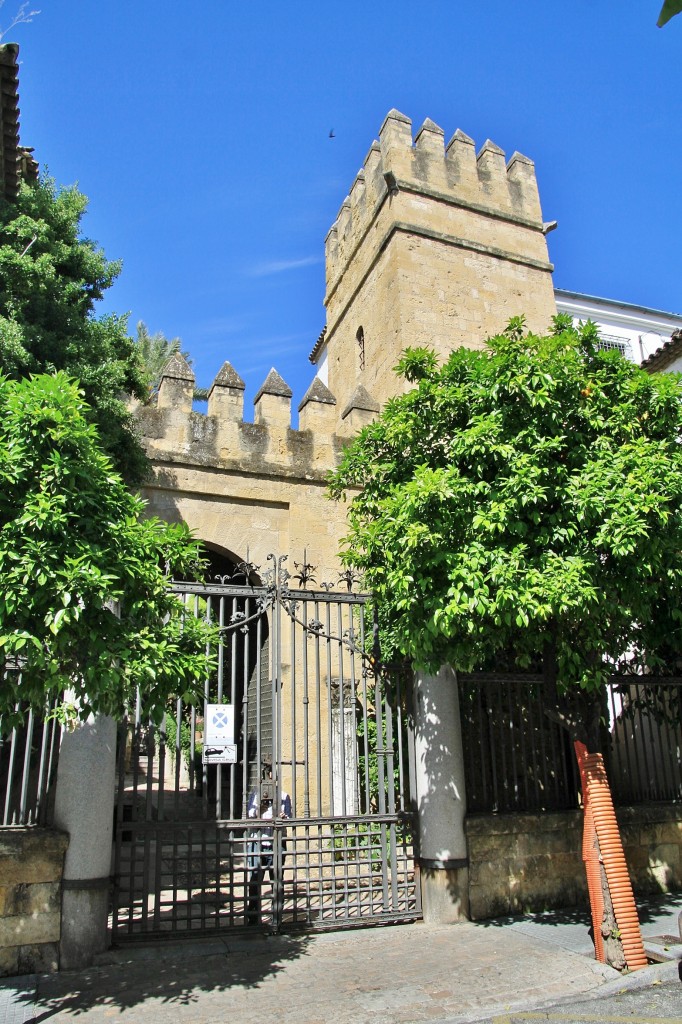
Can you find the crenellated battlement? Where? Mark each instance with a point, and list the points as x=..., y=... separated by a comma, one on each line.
x=454, y=174
x=248, y=487
x=173, y=432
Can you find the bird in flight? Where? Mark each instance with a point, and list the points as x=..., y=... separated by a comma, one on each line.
x=331, y=133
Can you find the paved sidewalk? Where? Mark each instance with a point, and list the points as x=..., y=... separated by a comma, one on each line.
x=394, y=975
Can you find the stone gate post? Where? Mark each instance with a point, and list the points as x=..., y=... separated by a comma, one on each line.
x=441, y=798
x=84, y=807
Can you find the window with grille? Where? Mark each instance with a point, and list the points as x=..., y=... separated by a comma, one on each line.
x=614, y=342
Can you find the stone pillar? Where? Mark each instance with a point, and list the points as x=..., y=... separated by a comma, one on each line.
x=84, y=807
x=345, y=762
x=441, y=798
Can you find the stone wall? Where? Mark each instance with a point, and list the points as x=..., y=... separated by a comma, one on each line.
x=245, y=487
x=31, y=867
x=531, y=862
x=524, y=862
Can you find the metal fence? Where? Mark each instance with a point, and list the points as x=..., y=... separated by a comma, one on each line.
x=28, y=765
x=645, y=739
x=517, y=760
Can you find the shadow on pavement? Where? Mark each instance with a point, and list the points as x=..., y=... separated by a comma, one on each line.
x=552, y=918
x=168, y=976
x=650, y=908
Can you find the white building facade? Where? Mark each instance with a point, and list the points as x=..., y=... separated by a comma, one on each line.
x=638, y=332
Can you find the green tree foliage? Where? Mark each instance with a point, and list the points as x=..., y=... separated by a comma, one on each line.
x=74, y=550
x=669, y=9
x=50, y=280
x=528, y=497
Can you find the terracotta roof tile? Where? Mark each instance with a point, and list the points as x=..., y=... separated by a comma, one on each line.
x=318, y=345
x=666, y=354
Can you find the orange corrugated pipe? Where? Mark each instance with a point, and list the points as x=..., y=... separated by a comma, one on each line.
x=613, y=858
x=591, y=859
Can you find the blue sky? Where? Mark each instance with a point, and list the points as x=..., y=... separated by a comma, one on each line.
x=200, y=133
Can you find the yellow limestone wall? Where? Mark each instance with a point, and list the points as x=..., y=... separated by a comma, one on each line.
x=244, y=486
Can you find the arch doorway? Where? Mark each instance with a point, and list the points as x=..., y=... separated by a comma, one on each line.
x=229, y=593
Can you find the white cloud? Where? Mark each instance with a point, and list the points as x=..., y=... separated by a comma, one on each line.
x=269, y=350
x=223, y=325
x=282, y=266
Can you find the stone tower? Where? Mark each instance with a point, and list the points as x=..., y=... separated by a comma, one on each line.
x=434, y=246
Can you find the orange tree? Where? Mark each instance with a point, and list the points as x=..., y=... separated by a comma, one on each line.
x=527, y=497
x=84, y=600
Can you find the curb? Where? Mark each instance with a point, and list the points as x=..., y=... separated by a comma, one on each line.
x=645, y=976
x=655, y=974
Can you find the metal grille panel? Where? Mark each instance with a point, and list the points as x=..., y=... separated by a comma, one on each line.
x=645, y=739
x=331, y=842
x=517, y=760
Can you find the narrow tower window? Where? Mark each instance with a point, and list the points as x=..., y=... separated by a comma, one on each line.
x=360, y=336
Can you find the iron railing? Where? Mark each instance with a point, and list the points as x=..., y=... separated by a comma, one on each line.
x=645, y=741
x=518, y=760
x=324, y=751
x=28, y=767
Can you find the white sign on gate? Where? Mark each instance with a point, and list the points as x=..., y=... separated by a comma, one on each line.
x=224, y=753
x=219, y=724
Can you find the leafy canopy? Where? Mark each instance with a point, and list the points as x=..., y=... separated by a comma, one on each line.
x=50, y=280
x=520, y=495
x=73, y=549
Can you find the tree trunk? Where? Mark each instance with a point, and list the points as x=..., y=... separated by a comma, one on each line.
x=616, y=933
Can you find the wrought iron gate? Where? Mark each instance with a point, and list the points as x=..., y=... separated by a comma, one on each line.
x=313, y=824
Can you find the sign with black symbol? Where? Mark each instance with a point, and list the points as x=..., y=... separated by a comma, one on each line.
x=219, y=753
x=219, y=725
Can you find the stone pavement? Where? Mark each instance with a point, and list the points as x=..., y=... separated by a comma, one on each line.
x=394, y=975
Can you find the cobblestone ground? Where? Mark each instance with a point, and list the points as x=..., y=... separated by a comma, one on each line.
x=404, y=974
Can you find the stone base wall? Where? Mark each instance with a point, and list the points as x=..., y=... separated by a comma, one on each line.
x=652, y=837
x=522, y=863
x=31, y=867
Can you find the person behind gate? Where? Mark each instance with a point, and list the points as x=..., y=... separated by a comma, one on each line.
x=260, y=853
